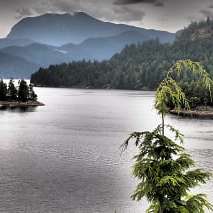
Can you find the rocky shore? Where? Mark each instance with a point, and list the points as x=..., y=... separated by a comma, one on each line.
x=16, y=104
x=200, y=112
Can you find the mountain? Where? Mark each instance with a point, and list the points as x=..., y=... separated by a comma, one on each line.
x=6, y=42
x=91, y=49
x=138, y=66
x=103, y=48
x=59, y=29
x=57, y=38
x=39, y=54
x=15, y=67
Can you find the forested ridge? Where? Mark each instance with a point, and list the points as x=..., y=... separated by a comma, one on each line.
x=140, y=66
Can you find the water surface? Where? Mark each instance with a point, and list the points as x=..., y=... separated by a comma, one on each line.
x=65, y=157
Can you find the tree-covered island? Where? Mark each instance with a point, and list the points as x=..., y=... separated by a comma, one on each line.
x=22, y=95
x=197, y=85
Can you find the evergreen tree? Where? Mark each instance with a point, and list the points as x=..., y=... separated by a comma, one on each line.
x=194, y=80
x=32, y=95
x=12, y=91
x=165, y=171
x=23, y=91
x=3, y=91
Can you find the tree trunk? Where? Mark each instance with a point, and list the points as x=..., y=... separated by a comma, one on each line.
x=160, y=210
x=163, y=124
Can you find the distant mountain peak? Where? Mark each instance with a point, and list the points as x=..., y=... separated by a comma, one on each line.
x=58, y=29
x=81, y=14
x=65, y=15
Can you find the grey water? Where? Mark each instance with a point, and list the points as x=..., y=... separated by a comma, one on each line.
x=65, y=157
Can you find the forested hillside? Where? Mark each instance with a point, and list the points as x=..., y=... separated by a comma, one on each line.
x=140, y=66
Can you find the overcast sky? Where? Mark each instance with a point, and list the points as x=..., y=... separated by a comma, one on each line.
x=170, y=15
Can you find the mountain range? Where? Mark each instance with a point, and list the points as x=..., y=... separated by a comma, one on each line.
x=137, y=66
x=56, y=38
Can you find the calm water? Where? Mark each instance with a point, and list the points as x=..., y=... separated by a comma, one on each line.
x=65, y=157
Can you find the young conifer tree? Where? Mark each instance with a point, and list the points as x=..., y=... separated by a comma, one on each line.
x=3, y=90
x=12, y=91
x=166, y=173
x=23, y=91
x=32, y=95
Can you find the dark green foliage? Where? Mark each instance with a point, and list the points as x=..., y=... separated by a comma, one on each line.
x=32, y=95
x=170, y=95
x=124, y=71
x=166, y=174
x=76, y=74
x=194, y=81
x=3, y=91
x=12, y=91
x=23, y=92
x=141, y=66
x=196, y=30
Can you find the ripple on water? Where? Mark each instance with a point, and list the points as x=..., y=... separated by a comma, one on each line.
x=65, y=157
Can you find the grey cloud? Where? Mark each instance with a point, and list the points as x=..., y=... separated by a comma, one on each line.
x=108, y=11
x=154, y=2
x=207, y=13
x=23, y=12
x=134, y=1
x=159, y=4
x=125, y=13
x=66, y=6
x=158, y=14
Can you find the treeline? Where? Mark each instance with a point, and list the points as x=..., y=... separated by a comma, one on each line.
x=140, y=66
x=22, y=93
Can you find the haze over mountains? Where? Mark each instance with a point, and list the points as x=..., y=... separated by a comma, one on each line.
x=140, y=67
x=57, y=29
x=56, y=38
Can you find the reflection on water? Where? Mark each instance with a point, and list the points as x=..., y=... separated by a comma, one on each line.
x=65, y=156
x=18, y=109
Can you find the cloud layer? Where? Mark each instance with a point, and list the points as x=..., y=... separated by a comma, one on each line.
x=120, y=2
x=170, y=15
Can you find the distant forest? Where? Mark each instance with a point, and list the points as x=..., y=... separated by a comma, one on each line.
x=140, y=66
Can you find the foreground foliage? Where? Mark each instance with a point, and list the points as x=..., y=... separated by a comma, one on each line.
x=194, y=80
x=166, y=173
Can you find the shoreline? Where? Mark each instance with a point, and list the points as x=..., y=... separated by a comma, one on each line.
x=91, y=88
x=203, y=114
x=16, y=104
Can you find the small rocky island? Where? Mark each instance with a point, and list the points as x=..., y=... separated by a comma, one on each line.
x=194, y=87
x=201, y=112
x=21, y=96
